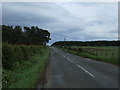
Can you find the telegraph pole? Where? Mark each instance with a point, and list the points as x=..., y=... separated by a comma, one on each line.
x=64, y=38
x=64, y=41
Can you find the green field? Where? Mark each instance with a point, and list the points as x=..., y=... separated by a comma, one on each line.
x=107, y=53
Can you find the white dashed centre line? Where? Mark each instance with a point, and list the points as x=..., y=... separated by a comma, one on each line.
x=86, y=71
x=69, y=60
x=79, y=66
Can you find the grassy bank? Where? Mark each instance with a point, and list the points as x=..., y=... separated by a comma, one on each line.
x=26, y=70
x=0, y=78
x=105, y=54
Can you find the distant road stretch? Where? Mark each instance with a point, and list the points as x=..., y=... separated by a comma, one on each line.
x=70, y=71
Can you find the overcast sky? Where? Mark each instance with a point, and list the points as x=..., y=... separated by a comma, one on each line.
x=81, y=21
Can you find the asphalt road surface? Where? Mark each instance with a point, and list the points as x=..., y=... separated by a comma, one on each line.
x=71, y=71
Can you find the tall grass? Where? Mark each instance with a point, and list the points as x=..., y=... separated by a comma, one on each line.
x=27, y=68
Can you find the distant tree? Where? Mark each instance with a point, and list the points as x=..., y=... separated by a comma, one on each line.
x=87, y=43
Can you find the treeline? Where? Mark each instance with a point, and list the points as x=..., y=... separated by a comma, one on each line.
x=87, y=43
x=28, y=35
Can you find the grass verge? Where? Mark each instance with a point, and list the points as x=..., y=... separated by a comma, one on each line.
x=87, y=55
x=27, y=72
x=0, y=78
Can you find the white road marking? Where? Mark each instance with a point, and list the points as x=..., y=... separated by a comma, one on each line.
x=88, y=59
x=86, y=71
x=64, y=56
x=69, y=60
x=79, y=66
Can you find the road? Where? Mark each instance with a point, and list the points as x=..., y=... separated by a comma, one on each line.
x=66, y=70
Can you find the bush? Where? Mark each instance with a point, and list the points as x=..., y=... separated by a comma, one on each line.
x=27, y=52
x=7, y=78
x=22, y=65
x=7, y=56
x=12, y=55
x=35, y=49
x=80, y=49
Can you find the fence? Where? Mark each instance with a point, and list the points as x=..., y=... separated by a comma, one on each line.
x=95, y=52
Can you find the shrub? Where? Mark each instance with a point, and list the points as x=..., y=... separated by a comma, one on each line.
x=12, y=55
x=7, y=56
x=27, y=52
x=26, y=73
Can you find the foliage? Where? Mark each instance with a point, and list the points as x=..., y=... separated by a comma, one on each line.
x=29, y=35
x=87, y=43
x=25, y=73
x=24, y=55
x=12, y=54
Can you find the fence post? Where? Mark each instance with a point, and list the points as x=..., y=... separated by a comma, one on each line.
x=101, y=53
x=93, y=53
x=90, y=52
x=106, y=54
x=96, y=53
x=112, y=54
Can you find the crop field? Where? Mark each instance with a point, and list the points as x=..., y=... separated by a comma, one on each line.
x=106, y=53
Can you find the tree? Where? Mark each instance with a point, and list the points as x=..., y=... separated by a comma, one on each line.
x=30, y=35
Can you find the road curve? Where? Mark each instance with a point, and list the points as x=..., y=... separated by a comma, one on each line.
x=71, y=71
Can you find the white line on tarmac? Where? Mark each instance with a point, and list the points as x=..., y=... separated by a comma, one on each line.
x=88, y=59
x=79, y=66
x=69, y=60
x=64, y=56
x=86, y=71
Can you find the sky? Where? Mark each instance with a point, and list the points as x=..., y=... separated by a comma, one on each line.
x=75, y=21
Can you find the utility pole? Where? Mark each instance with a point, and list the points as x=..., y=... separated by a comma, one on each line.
x=64, y=38
x=64, y=41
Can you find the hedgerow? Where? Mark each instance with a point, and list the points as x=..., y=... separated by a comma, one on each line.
x=12, y=54
x=19, y=61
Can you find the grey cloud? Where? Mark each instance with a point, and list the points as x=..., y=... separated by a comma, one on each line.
x=75, y=21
